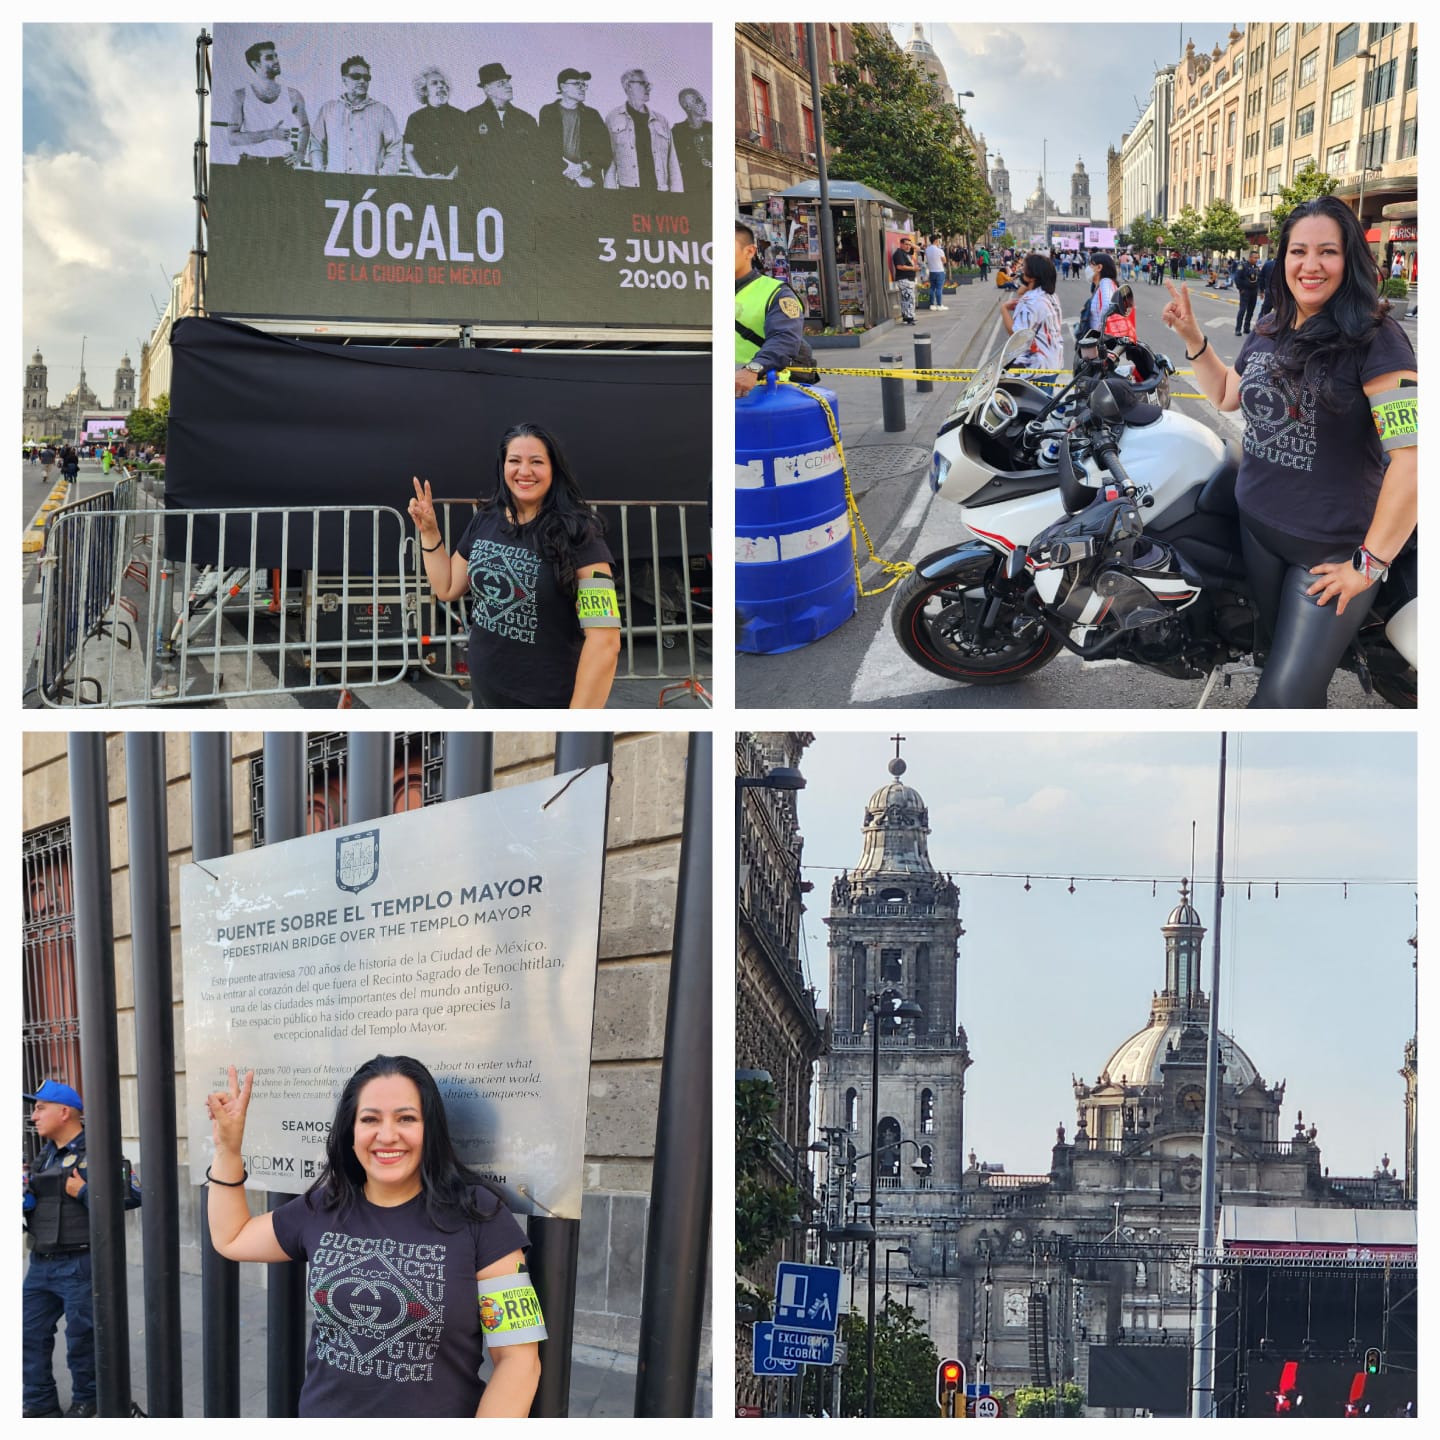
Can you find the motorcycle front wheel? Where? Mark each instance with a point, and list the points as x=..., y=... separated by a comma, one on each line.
x=940, y=624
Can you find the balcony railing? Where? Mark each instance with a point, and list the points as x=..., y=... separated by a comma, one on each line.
x=769, y=134
x=849, y=1040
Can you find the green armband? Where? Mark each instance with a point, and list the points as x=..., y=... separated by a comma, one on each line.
x=510, y=1311
x=1397, y=417
x=597, y=604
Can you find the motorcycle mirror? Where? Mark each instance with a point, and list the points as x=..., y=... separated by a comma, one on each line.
x=1103, y=404
x=1015, y=563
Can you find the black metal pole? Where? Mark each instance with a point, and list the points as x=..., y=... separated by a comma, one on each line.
x=212, y=835
x=370, y=775
x=100, y=1064
x=672, y=1309
x=155, y=1047
x=924, y=359
x=892, y=396
x=555, y=1244
x=469, y=764
x=285, y=1284
x=829, y=275
x=874, y=1185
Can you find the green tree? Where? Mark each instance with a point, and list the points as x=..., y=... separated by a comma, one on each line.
x=1143, y=232
x=1037, y=1402
x=1184, y=230
x=763, y=1206
x=895, y=132
x=905, y=1361
x=1221, y=230
x=1309, y=184
x=151, y=425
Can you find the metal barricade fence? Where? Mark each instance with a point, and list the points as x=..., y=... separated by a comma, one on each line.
x=664, y=586
x=283, y=637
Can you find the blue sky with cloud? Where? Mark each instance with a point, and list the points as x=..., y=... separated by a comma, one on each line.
x=1317, y=988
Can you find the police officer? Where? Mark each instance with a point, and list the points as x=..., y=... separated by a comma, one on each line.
x=57, y=1215
x=769, y=320
x=1247, y=282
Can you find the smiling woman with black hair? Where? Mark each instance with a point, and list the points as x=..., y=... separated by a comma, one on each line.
x=544, y=614
x=410, y=1256
x=1327, y=488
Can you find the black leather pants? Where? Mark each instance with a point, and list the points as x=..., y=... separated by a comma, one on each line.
x=1306, y=640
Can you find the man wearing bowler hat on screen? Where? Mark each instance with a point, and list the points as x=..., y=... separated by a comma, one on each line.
x=503, y=135
x=56, y=1206
x=573, y=141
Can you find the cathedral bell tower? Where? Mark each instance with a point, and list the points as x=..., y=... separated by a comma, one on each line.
x=35, y=385
x=1080, y=191
x=125, y=386
x=894, y=933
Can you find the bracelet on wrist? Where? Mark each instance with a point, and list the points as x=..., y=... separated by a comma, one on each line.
x=229, y=1184
x=430, y=549
x=1204, y=346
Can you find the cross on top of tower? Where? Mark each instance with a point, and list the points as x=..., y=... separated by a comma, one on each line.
x=897, y=765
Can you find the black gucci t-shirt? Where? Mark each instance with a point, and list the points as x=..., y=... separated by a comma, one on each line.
x=1308, y=470
x=525, y=639
x=395, y=1322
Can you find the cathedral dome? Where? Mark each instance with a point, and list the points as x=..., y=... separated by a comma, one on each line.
x=896, y=824
x=1138, y=1059
x=1184, y=914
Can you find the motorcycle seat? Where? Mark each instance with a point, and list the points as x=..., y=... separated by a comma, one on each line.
x=1217, y=496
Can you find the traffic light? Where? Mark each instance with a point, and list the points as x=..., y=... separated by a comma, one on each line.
x=1372, y=1360
x=950, y=1383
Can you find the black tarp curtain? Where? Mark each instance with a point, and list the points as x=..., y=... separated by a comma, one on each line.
x=259, y=421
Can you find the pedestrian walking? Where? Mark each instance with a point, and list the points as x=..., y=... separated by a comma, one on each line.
x=935, y=264
x=1247, y=282
x=903, y=266
x=983, y=256
x=47, y=459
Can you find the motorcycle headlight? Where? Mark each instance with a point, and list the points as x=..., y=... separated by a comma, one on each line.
x=939, y=469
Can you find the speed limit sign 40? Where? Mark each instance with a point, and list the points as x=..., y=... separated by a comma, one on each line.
x=987, y=1407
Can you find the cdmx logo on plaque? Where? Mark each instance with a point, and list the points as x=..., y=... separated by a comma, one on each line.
x=357, y=860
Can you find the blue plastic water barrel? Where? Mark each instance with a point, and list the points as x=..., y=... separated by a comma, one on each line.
x=794, y=575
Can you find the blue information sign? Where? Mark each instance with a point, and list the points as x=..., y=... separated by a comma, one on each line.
x=802, y=1346
x=762, y=1361
x=998, y=229
x=807, y=1297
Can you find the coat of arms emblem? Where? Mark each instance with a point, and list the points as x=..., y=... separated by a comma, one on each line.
x=357, y=860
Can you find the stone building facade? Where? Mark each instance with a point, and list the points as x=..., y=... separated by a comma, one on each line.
x=40, y=419
x=984, y=1241
x=776, y=1027
x=632, y=985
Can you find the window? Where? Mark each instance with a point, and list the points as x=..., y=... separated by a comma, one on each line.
x=1252, y=145
x=852, y=1110
x=1407, y=139
x=1380, y=84
x=807, y=117
x=1277, y=134
x=1337, y=160
x=1411, y=67
x=1380, y=30
x=1279, y=87
x=1213, y=174
x=1342, y=104
x=1282, y=40
x=764, y=123
x=1229, y=180
x=1306, y=26
x=1247, y=186
x=1220, y=76
x=1347, y=42
x=927, y=1112
x=1230, y=120
x=1307, y=70
x=1253, y=102
x=890, y=970
x=1215, y=139
x=1204, y=89
x=1297, y=167
x=1257, y=58
x=1304, y=122
x=1239, y=64
x=1375, y=148
x=1187, y=166
x=1272, y=178
x=834, y=46
x=800, y=51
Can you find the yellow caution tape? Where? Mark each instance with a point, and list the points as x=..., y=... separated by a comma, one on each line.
x=895, y=569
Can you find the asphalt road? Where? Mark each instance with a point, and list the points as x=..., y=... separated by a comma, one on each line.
x=860, y=665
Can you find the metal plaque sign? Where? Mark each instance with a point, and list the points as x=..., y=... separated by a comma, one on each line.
x=463, y=934
x=462, y=173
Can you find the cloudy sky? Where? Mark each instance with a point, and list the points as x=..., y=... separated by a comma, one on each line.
x=1081, y=87
x=109, y=126
x=1316, y=987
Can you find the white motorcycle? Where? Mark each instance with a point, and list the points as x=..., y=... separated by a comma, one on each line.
x=1105, y=526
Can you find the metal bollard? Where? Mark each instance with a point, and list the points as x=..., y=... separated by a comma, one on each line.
x=892, y=395
x=923, y=361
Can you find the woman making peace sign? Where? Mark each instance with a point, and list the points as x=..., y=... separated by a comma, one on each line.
x=544, y=616
x=410, y=1256
x=1327, y=482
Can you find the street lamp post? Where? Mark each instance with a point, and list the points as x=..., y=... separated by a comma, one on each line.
x=1365, y=57
x=985, y=1340
x=891, y=1007
x=913, y=1285
x=889, y=1251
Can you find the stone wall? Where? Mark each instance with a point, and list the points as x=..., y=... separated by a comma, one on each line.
x=642, y=860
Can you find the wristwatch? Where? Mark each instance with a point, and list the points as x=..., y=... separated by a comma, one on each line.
x=754, y=368
x=1369, y=566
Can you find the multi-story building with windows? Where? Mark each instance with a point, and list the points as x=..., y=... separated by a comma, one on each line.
x=1211, y=100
